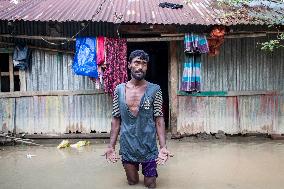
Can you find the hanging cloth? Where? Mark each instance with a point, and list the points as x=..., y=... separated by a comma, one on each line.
x=216, y=40
x=85, y=57
x=100, y=50
x=116, y=63
x=191, y=77
x=21, y=56
x=195, y=43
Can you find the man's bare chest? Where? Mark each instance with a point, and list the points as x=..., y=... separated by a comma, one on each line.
x=133, y=98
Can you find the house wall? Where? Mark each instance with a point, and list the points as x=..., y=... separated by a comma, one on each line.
x=242, y=91
x=56, y=100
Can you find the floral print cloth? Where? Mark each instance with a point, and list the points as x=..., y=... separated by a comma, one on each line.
x=116, y=63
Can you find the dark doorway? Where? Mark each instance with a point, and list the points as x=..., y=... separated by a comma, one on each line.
x=158, y=68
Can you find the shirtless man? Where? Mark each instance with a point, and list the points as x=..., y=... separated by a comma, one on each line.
x=137, y=115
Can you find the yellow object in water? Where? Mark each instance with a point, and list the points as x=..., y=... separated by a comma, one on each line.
x=64, y=144
x=80, y=144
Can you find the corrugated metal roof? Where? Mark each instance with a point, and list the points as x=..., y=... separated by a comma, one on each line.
x=114, y=11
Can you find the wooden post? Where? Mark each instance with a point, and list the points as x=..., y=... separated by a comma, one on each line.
x=0, y=76
x=23, y=84
x=173, y=86
x=11, y=72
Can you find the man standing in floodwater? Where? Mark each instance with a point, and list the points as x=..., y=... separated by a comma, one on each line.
x=137, y=115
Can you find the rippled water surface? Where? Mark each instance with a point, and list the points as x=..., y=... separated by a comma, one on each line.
x=196, y=165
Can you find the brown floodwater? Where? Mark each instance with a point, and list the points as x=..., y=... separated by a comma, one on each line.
x=197, y=165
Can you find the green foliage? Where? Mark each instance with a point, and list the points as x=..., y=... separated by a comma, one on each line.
x=270, y=45
x=187, y=1
x=252, y=10
x=233, y=2
x=273, y=44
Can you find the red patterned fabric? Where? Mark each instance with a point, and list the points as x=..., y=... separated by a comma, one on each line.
x=116, y=63
x=100, y=50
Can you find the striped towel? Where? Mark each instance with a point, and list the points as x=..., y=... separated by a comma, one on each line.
x=191, y=77
x=194, y=43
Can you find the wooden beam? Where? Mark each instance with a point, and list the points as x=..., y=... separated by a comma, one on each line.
x=49, y=38
x=0, y=77
x=69, y=136
x=155, y=39
x=22, y=77
x=228, y=35
x=230, y=93
x=244, y=35
x=173, y=86
x=11, y=72
x=18, y=94
x=8, y=73
x=41, y=48
x=173, y=35
x=252, y=93
x=6, y=50
x=179, y=37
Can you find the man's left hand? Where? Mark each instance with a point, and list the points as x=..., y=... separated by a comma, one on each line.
x=163, y=156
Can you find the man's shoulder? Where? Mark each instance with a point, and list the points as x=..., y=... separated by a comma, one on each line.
x=119, y=85
x=153, y=85
x=154, y=88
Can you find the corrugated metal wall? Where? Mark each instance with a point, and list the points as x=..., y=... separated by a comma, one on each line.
x=241, y=66
x=240, y=114
x=56, y=114
x=53, y=71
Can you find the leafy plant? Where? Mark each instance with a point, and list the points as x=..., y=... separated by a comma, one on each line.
x=268, y=12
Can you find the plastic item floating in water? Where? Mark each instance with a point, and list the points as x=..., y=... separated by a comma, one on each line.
x=80, y=144
x=29, y=156
x=64, y=144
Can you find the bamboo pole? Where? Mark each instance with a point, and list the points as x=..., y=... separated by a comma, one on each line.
x=11, y=73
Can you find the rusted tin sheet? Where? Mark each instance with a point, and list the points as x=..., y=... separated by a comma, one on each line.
x=242, y=66
x=7, y=108
x=241, y=114
x=56, y=114
x=200, y=12
x=207, y=114
x=53, y=71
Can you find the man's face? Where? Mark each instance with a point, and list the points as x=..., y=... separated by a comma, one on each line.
x=138, y=68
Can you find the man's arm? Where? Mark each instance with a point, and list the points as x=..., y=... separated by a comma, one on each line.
x=164, y=154
x=110, y=153
x=115, y=127
x=160, y=125
x=159, y=119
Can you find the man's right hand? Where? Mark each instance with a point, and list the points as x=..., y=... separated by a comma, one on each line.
x=111, y=155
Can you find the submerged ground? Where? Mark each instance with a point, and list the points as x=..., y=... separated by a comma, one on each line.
x=238, y=163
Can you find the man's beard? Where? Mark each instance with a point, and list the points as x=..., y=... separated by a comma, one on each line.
x=138, y=77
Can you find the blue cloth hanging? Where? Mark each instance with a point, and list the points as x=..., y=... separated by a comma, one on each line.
x=21, y=57
x=85, y=57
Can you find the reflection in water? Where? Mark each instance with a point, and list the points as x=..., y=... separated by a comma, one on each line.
x=205, y=164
